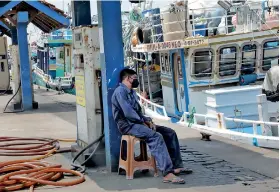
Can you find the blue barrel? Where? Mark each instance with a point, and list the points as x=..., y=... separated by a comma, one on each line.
x=247, y=79
x=201, y=32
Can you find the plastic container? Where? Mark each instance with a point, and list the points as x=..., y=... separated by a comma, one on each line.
x=201, y=32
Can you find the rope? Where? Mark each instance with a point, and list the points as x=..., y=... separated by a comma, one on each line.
x=191, y=117
x=20, y=174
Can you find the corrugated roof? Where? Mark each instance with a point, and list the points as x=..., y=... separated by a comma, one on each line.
x=39, y=19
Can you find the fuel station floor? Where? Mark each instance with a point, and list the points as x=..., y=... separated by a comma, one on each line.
x=219, y=165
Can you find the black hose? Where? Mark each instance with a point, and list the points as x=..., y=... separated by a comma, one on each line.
x=81, y=168
x=21, y=110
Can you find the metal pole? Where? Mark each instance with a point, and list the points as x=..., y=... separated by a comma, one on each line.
x=137, y=71
x=148, y=76
x=143, y=83
x=64, y=55
x=186, y=18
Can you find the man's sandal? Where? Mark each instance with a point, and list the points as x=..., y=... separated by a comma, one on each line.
x=183, y=171
x=174, y=180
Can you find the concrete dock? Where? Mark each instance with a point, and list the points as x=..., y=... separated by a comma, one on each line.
x=219, y=165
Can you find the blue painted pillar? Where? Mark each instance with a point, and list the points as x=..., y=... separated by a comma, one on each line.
x=26, y=88
x=112, y=61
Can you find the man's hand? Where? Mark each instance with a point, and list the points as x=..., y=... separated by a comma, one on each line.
x=150, y=125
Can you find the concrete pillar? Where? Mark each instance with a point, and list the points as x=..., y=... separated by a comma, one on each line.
x=112, y=61
x=22, y=22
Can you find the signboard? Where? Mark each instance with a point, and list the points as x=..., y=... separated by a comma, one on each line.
x=80, y=90
x=168, y=45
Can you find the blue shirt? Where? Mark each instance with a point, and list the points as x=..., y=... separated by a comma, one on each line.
x=126, y=109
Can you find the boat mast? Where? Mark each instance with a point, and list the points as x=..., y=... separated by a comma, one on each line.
x=186, y=18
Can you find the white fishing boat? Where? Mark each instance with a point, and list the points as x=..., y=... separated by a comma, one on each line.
x=212, y=65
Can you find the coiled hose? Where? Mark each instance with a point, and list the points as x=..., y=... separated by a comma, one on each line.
x=20, y=174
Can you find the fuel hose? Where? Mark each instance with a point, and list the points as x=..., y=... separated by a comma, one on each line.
x=29, y=173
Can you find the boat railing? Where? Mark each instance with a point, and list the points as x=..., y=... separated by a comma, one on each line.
x=41, y=73
x=200, y=24
x=202, y=120
x=158, y=109
x=64, y=80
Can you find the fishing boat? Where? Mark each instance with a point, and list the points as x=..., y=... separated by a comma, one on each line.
x=213, y=61
x=54, y=69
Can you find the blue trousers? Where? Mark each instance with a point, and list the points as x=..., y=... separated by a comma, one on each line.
x=163, y=144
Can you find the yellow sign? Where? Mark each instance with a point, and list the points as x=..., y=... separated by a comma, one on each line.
x=80, y=90
x=168, y=45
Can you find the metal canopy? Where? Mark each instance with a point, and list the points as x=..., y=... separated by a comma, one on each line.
x=43, y=15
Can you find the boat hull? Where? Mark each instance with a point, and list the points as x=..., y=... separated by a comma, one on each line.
x=40, y=81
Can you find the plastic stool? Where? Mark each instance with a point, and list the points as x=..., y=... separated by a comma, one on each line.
x=132, y=164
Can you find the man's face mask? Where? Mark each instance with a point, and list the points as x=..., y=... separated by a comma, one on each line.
x=134, y=81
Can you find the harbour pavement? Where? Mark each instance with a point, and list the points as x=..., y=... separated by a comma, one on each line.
x=219, y=165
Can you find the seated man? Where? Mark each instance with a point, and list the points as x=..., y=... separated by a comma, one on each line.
x=162, y=141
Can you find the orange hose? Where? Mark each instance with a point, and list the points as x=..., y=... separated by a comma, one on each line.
x=20, y=174
x=42, y=146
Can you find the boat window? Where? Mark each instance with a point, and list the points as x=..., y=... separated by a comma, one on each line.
x=228, y=60
x=180, y=72
x=167, y=64
x=270, y=54
x=162, y=63
x=249, y=54
x=2, y=67
x=203, y=63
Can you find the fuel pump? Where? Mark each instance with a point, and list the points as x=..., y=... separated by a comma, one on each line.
x=5, y=78
x=86, y=53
